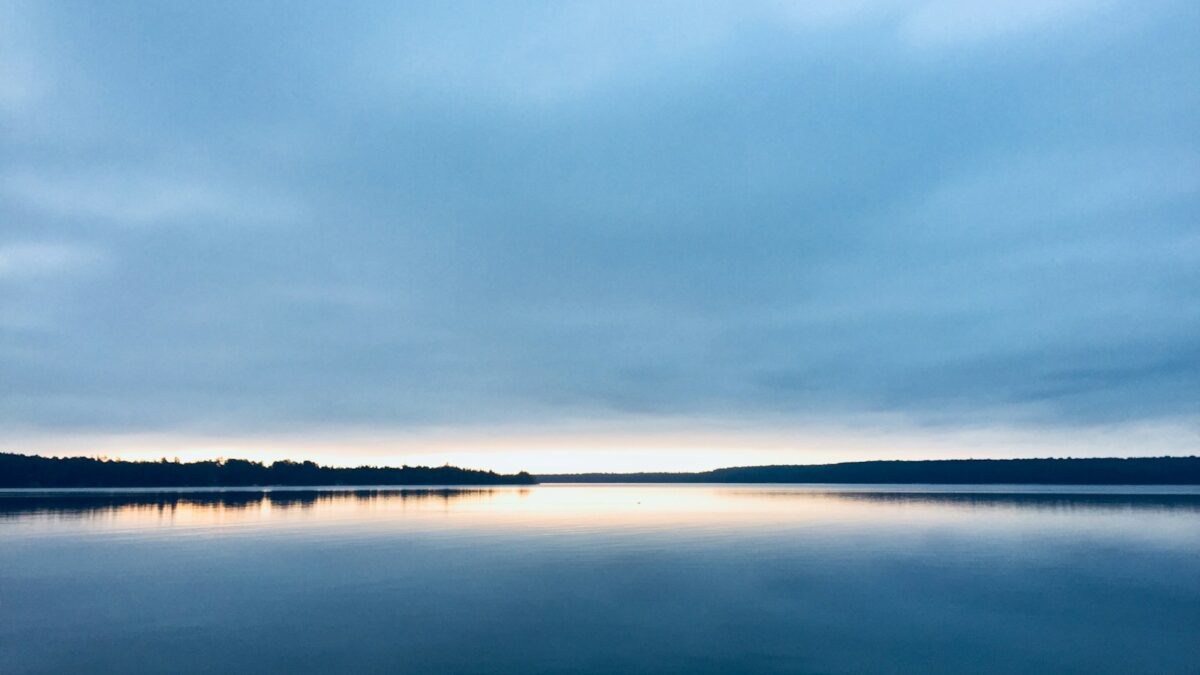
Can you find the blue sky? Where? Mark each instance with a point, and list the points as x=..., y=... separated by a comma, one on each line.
x=609, y=236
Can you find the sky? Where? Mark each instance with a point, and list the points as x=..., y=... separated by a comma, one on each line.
x=600, y=236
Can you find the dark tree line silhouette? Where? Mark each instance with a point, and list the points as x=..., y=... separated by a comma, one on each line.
x=32, y=471
x=1105, y=471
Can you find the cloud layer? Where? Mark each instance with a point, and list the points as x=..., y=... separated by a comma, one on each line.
x=220, y=219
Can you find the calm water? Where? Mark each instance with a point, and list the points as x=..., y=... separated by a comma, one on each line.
x=602, y=579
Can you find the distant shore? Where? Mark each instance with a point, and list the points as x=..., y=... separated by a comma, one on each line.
x=32, y=471
x=1106, y=471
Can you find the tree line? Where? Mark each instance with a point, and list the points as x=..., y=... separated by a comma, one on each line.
x=1047, y=471
x=32, y=471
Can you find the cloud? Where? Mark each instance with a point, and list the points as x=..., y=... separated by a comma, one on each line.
x=38, y=280
x=129, y=199
x=536, y=54
x=20, y=81
x=30, y=260
x=950, y=23
x=382, y=221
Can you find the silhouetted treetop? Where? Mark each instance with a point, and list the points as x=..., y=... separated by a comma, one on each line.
x=1102, y=471
x=26, y=471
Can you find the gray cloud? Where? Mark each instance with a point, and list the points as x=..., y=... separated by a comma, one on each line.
x=485, y=215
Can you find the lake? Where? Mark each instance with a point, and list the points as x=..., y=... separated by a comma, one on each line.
x=602, y=579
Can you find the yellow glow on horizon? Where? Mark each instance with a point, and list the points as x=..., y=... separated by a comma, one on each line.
x=566, y=452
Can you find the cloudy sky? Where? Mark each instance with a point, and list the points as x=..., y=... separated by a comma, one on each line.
x=600, y=236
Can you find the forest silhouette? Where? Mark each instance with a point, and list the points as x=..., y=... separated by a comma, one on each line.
x=1048, y=471
x=31, y=471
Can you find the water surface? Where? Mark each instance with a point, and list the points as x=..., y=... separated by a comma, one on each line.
x=601, y=579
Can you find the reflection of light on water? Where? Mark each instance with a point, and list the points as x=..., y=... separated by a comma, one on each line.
x=562, y=508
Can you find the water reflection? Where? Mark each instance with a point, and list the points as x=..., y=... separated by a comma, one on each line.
x=14, y=504
x=601, y=579
x=591, y=505
x=1041, y=501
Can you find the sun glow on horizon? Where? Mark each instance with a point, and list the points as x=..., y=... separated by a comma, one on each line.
x=619, y=453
